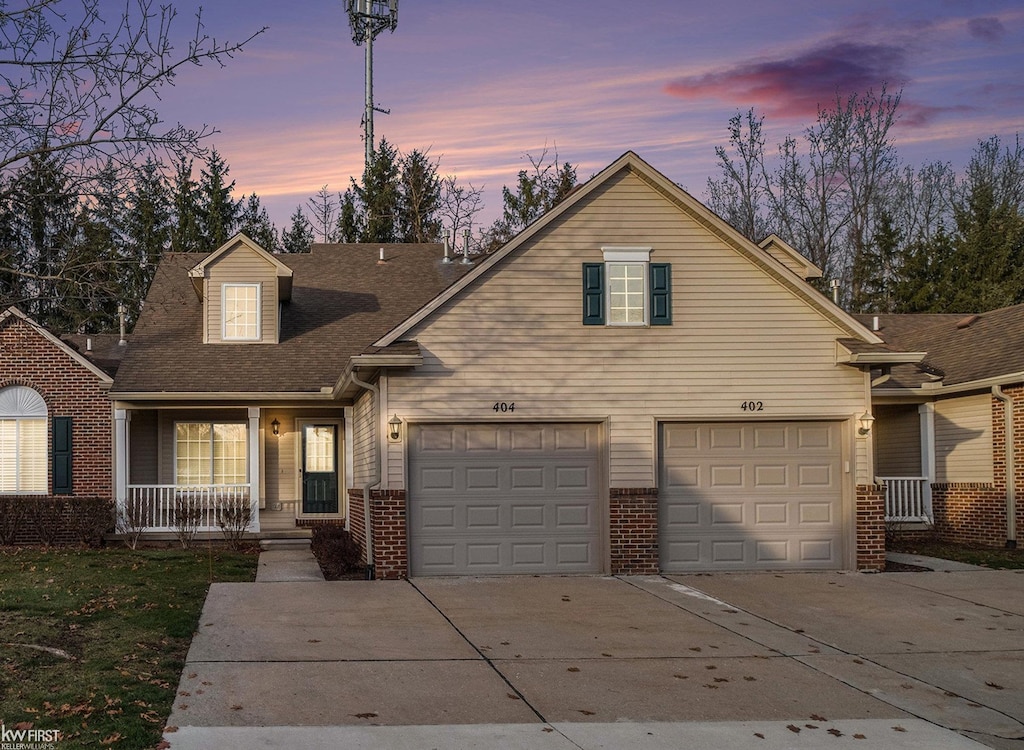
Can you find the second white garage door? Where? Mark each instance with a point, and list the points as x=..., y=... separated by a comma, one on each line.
x=748, y=496
x=489, y=499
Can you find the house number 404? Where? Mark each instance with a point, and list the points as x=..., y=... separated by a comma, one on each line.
x=504, y=406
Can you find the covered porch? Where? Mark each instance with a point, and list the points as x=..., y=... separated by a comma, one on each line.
x=259, y=471
x=904, y=445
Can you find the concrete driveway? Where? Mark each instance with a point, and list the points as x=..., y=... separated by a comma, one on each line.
x=905, y=660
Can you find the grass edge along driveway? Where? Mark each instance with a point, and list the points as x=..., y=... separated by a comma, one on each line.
x=92, y=641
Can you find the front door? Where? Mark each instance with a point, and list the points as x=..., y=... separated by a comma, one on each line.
x=320, y=468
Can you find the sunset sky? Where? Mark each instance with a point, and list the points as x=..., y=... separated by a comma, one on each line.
x=480, y=82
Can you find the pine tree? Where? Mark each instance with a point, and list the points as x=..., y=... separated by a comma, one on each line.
x=298, y=238
x=350, y=218
x=379, y=195
x=186, y=235
x=218, y=211
x=419, y=203
x=147, y=228
x=255, y=222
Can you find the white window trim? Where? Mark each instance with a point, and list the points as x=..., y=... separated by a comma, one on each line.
x=224, y=312
x=212, y=424
x=628, y=254
x=20, y=404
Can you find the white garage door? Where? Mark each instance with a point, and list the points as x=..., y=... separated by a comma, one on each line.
x=510, y=498
x=747, y=496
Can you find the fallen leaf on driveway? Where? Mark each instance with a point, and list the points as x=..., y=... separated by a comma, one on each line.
x=994, y=685
x=585, y=712
x=513, y=696
x=835, y=732
x=793, y=728
x=573, y=669
x=898, y=729
x=367, y=715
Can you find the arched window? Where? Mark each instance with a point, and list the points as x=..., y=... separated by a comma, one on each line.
x=23, y=457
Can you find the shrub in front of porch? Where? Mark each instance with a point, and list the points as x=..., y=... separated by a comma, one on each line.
x=55, y=519
x=339, y=555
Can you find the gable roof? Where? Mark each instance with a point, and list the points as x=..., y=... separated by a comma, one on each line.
x=69, y=350
x=342, y=300
x=774, y=267
x=281, y=271
x=789, y=257
x=962, y=349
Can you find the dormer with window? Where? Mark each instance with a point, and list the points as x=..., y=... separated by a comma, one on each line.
x=242, y=287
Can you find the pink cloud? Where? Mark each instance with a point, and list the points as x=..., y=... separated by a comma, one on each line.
x=797, y=86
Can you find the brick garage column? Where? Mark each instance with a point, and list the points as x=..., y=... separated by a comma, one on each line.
x=633, y=530
x=870, y=527
x=390, y=538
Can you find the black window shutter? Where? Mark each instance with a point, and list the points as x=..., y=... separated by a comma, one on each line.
x=593, y=294
x=661, y=294
x=62, y=455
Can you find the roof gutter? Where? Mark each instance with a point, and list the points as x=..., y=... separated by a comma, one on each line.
x=1010, y=447
x=939, y=389
x=371, y=572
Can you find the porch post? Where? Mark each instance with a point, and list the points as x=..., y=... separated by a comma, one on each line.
x=927, y=414
x=255, y=468
x=120, y=456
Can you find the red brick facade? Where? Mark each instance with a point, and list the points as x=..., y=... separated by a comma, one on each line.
x=870, y=527
x=973, y=512
x=70, y=389
x=388, y=522
x=633, y=529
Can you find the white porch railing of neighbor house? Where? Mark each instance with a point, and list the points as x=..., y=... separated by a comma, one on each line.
x=169, y=507
x=907, y=499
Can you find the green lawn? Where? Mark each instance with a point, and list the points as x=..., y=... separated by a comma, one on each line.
x=989, y=557
x=92, y=642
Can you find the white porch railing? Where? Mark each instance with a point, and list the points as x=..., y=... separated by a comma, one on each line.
x=907, y=499
x=169, y=507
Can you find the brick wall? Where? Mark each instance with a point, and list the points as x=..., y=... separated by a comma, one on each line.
x=870, y=527
x=69, y=390
x=357, y=519
x=973, y=512
x=633, y=530
x=390, y=540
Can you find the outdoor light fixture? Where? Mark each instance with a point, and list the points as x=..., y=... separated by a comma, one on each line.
x=395, y=427
x=276, y=427
x=865, y=421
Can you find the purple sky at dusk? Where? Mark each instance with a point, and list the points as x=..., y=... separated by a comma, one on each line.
x=480, y=83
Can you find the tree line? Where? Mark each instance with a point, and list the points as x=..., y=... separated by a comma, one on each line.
x=891, y=236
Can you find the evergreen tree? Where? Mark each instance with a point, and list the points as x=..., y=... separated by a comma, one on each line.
x=379, y=195
x=186, y=234
x=218, y=211
x=298, y=238
x=419, y=203
x=874, y=268
x=927, y=278
x=350, y=218
x=147, y=228
x=255, y=222
x=535, y=194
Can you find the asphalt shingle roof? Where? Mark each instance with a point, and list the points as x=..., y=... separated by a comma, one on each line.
x=342, y=301
x=961, y=347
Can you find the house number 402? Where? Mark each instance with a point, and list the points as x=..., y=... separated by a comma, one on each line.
x=752, y=406
x=504, y=406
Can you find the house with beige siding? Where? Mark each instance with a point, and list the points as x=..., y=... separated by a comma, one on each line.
x=627, y=386
x=943, y=425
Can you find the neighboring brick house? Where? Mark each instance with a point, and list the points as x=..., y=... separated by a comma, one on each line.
x=943, y=425
x=56, y=428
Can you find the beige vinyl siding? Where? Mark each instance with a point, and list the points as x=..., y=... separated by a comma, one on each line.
x=963, y=439
x=364, y=450
x=517, y=336
x=144, y=454
x=241, y=266
x=897, y=434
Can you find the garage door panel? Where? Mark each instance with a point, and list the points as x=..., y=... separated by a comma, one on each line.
x=750, y=495
x=516, y=502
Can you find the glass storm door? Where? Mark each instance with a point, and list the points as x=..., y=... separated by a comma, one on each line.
x=320, y=468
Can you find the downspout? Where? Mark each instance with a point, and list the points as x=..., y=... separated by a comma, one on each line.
x=371, y=568
x=1011, y=468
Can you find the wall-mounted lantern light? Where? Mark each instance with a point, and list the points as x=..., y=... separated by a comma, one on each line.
x=395, y=429
x=276, y=427
x=865, y=421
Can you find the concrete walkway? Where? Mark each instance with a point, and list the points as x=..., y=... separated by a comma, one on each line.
x=931, y=563
x=902, y=660
x=291, y=562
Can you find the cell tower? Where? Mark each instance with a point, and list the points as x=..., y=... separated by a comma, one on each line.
x=367, y=18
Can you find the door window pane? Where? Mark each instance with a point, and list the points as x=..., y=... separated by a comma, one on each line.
x=319, y=448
